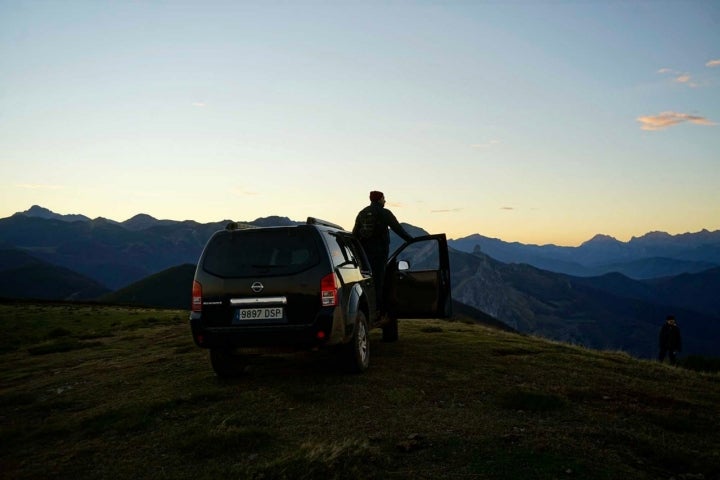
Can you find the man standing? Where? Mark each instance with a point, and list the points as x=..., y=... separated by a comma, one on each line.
x=371, y=227
x=670, y=340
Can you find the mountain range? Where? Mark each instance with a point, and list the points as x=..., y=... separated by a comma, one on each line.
x=653, y=255
x=548, y=290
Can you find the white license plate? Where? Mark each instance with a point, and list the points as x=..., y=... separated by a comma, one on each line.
x=263, y=313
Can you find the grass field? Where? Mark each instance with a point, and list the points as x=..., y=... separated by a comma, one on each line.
x=93, y=392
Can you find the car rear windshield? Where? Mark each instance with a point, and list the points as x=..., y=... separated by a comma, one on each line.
x=272, y=251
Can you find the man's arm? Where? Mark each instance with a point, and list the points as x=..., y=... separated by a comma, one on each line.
x=396, y=227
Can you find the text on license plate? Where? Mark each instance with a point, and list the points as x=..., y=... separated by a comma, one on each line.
x=264, y=313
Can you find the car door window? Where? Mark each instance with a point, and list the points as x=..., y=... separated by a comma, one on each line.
x=341, y=251
x=421, y=256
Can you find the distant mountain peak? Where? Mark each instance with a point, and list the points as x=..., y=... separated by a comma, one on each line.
x=36, y=211
x=141, y=216
x=141, y=221
x=698, y=239
x=655, y=235
x=601, y=238
x=103, y=220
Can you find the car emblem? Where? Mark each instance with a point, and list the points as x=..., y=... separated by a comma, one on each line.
x=257, y=287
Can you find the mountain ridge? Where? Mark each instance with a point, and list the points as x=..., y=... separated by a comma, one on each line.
x=590, y=309
x=700, y=237
x=655, y=254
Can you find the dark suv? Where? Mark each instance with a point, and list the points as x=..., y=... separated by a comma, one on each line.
x=279, y=289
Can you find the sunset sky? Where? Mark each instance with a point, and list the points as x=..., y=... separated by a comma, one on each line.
x=530, y=121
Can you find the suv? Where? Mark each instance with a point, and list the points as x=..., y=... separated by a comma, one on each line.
x=279, y=289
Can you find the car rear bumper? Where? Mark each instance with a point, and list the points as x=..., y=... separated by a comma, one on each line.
x=264, y=337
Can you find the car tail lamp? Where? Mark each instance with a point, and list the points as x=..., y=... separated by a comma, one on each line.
x=196, y=297
x=328, y=290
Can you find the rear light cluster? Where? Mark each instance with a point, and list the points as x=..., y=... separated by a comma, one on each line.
x=196, y=297
x=328, y=290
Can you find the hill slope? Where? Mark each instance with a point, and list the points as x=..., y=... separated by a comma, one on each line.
x=610, y=312
x=167, y=289
x=700, y=291
x=24, y=276
x=448, y=400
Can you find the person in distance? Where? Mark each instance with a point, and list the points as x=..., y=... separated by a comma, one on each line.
x=670, y=340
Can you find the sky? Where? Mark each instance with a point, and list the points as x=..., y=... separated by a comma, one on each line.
x=541, y=122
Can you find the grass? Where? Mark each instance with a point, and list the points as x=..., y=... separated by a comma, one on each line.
x=106, y=392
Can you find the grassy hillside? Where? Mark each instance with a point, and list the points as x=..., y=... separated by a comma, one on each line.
x=107, y=392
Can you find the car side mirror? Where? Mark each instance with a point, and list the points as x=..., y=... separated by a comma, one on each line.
x=403, y=265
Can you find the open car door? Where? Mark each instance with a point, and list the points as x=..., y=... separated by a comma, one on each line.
x=417, y=281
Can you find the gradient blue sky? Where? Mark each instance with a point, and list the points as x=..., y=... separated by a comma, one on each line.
x=531, y=121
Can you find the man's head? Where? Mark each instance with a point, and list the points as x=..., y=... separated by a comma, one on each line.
x=376, y=196
x=670, y=319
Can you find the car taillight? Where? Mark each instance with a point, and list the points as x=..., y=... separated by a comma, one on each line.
x=196, y=297
x=328, y=290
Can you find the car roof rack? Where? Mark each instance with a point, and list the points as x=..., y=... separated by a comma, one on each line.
x=325, y=223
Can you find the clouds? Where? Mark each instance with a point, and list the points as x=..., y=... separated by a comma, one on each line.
x=679, y=77
x=447, y=210
x=685, y=78
x=456, y=210
x=670, y=119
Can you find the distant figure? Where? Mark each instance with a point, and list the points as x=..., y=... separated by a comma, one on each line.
x=670, y=340
x=371, y=228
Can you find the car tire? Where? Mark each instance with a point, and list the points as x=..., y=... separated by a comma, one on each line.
x=356, y=353
x=390, y=330
x=227, y=364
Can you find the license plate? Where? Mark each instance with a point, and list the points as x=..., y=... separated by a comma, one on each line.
x=262, y=313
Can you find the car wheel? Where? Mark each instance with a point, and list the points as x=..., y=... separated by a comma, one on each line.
x=357, y=352
x=226, y=364
x=390, y=330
